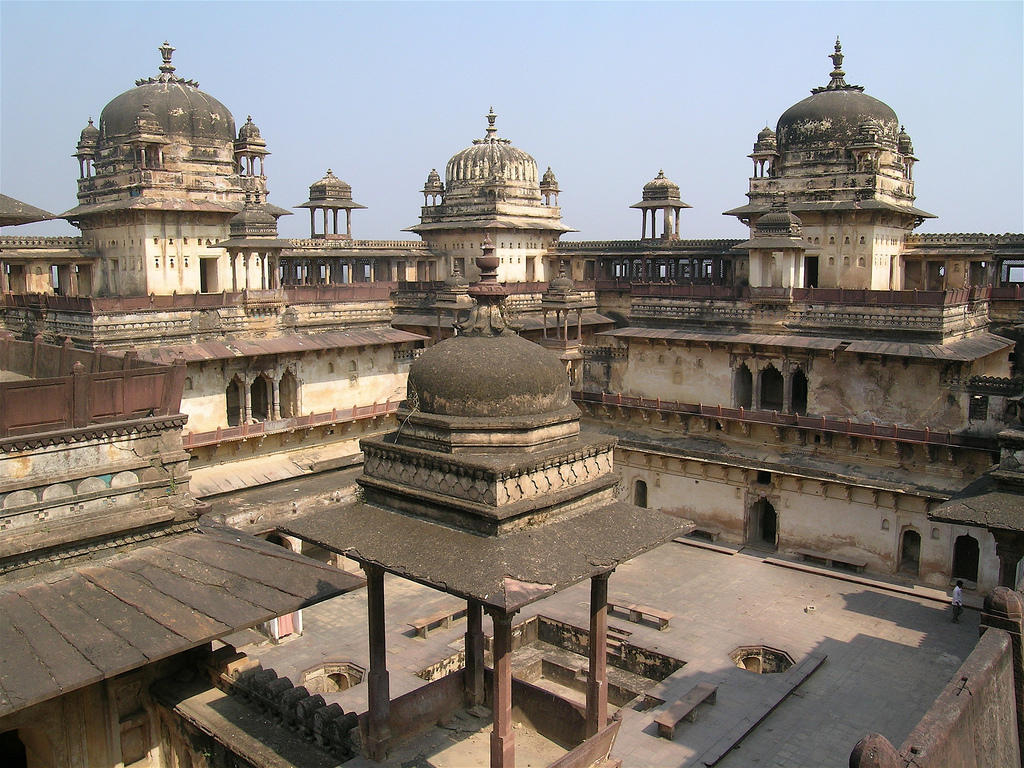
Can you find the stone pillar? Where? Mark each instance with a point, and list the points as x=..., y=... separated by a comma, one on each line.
x=474, y=675
x=275, y=408
x=379, y=695
x=503, y=748
x=755, y=389
x=1009, y=550
x=787, y=388
x=246, y=401
x=348, y=222
x=1004, y=609
x=643, y=225
x=597, y=680
x=312, y=222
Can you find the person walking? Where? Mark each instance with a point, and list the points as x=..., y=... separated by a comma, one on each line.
x=958, y=601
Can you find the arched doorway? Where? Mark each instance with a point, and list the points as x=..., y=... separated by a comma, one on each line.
x=259, y=393
x=965, y=558
x=799, y=395
x=288, y=390
x=764, y=528
x=771, y=389
x=910, y=552
x=233, y=395
x=640, y=494
x=744, y=387
x=25, y=748
x=12, y=750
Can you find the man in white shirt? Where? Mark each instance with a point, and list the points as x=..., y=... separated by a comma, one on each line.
x=958, y=601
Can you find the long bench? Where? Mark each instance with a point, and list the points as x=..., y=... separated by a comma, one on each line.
x=638, y=612
x=836, y=561
x=685, y=709
x=440, y=619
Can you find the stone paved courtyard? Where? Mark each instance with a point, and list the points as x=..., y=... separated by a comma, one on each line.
x=889, y=654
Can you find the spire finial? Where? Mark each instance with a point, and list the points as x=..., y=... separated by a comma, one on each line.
x=837, y=74
x=491, y=130
x=166, y=50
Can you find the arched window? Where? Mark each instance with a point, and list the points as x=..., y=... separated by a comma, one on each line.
x=233, y=394
x=259, y=394
x=640, y=493
x=771, y=389
x=910, y=552
x=743, y=387
x=288, y=391
x=799, y=393
x=965, y=558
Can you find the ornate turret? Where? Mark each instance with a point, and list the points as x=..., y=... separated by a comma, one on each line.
x=661, y=194
x=250, y=149
x=549, y=187
x=433, y=189
x=86, y=149
x=330, y=194
x=766, y=151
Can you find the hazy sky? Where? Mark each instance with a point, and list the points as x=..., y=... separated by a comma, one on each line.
x=604, y=93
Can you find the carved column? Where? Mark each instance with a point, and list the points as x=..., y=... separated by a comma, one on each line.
x=597, y=681
x=503, y=748
x=275, y=412
x=379, y=694
x=474, y=675
x=787, y=387
x=1009, y=550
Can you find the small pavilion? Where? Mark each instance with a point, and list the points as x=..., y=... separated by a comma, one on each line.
x=488, y=491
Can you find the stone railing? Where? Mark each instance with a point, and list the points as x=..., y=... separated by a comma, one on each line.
x=320, y=242
x=328, y=725
x=17, y=241
x=964, y=237
x=847, y=427
x=631, y=245
x=261, y=429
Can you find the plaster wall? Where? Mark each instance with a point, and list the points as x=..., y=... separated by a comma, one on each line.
x=846, y=520
x=675, y=372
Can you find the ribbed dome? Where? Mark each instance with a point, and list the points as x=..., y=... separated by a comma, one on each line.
x=488, y=376
x=661, y=188
x=778, y=221
x=831, y=117
x=253, y=220
x=765, y=133
x=330, y=187
x=490, y=158
x=249, y=130
x=178, y=106
x=90, y=133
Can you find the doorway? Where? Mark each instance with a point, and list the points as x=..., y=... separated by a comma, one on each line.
x=810, y=271
x=965, y=558
x=764, y=531
x=910, y=552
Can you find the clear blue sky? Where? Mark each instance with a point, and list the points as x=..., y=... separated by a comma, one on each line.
x=605, y=93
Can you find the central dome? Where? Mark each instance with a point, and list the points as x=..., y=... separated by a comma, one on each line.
x=179, y=107
x=488, y=376
x=491, y=158
x=831, y=116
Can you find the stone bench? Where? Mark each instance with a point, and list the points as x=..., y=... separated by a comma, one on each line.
x=440, y=619
x=685, y=709
x=637, y=613
x=836, y=561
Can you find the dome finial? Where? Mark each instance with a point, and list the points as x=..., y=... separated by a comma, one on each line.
x=166, y=50
x=491, y=130
x=837, y=74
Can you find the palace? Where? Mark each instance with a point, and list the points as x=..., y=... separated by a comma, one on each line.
x=827, y=394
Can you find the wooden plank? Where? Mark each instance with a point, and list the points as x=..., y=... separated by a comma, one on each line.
x=104, y=650
x=211, y=572
x=134, y=627
x=25, y=679
x=204, y=596
x=66, y=664
x=166, y=611
x=271, y=569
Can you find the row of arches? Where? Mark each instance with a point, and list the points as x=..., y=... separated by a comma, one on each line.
x=263, y=399
x=770, y=393
x=763, y=531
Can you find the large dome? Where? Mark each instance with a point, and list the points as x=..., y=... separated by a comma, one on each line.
x=488, y=376
x=490, y=158
x=180, y=108
x=831, y=117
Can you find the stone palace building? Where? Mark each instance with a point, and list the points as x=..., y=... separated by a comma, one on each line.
x=820, y=392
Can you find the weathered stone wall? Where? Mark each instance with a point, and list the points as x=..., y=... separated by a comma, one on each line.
x=972, y=723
